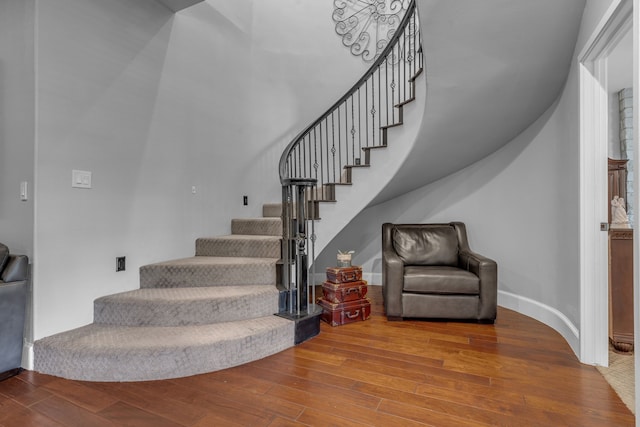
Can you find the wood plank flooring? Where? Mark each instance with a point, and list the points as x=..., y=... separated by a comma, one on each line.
x=517, y=372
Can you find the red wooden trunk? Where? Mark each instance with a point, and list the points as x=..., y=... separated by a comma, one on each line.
x=344, y=292
x=346, y=312
x=344, y=274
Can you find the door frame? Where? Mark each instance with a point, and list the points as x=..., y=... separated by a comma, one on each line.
x=594, y=112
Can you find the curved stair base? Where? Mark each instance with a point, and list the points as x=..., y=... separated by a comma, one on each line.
x=190, y=316
x=116, y=353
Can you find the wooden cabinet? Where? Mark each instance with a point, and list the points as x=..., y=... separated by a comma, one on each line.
x=621, y=289
x=620, y=267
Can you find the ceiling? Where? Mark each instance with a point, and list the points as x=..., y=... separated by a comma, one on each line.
x=178, y=5
x=493, y=67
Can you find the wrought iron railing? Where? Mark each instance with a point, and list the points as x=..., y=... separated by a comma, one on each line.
x=324, y=154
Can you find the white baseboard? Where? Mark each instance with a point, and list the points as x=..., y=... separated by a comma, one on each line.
x=27, y=355
x=545, y=314
x=373, y=278
x=523, y=305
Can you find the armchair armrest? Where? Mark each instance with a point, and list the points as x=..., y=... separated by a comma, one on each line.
x=487, y=270
x=392, y=274
x=16, y=269
x=13, y=299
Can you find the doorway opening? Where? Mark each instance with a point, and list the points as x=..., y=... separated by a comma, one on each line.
x=606, y=62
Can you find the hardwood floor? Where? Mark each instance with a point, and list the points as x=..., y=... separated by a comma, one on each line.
x=517, y=372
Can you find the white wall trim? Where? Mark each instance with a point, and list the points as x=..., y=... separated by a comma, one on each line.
x=551, y=317
x=593, y=242
x=594, y=310
x=543, y=313
x=636, y=188
x=27, y=355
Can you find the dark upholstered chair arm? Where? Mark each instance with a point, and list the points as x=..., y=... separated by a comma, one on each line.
x=392, y=274
x=392, y=283
x=487, y=270
x=16, y=269
x=13, y=298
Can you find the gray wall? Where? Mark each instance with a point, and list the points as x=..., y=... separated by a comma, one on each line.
x=521, y=205
x=153, y=104
x=17, y=118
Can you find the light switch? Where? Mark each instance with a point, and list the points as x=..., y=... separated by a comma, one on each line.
x=24, y=191
x=80, y=179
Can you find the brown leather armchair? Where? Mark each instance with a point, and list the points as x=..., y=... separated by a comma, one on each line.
x=429, y=271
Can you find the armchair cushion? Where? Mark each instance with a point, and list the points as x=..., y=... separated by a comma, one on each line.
x=443, y=280
x=420, y=245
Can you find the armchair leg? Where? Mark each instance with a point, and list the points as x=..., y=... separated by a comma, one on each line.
x=394, y=318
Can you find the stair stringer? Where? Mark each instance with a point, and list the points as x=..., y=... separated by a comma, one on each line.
x=368, y=182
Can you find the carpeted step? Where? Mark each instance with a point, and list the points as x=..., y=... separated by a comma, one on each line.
x=239, y=245
x=257, y=226
x=116, y=353
x=209, y=271
x=186, y=306
x=272, y=210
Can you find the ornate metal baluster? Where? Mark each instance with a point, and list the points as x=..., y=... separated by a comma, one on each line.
x=333, y=146
x=359, y=126
x=353, y=131
x=393, y=84
x=386, y=91
x=404, y=64
x=303, y=154
x=326, y=133
x=316, y=165
x=379, y=111
x=322, y=181
x=373, y=113
x=346, y=132
x=339, y=146
x=366, y=110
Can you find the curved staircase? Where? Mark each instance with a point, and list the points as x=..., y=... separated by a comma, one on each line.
x=192, y=315
x=217, y=309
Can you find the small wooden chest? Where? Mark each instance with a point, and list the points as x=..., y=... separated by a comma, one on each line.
x=344, y=292
x=346, y=312
x=344, y=274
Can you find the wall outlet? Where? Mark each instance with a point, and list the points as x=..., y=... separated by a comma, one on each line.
x=80, y=179
x=245, y=200
x=120, y=263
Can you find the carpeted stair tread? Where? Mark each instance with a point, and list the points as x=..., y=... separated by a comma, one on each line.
x=186, y=306
x=191, y=315
x=117, y=353
x=257, y=226
x=272, y=210
x=239, y=245
x=209, y=271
